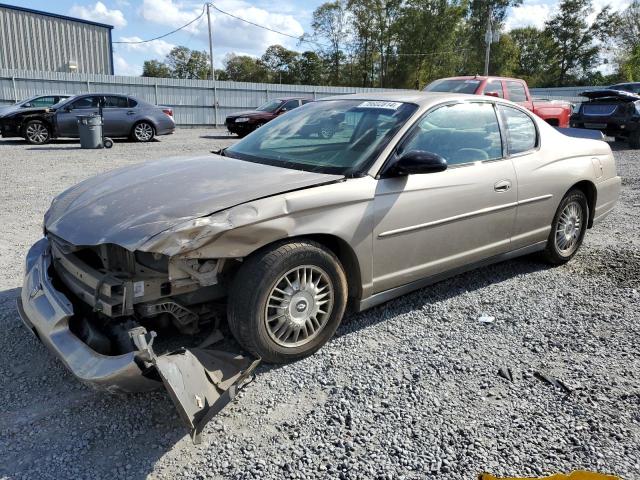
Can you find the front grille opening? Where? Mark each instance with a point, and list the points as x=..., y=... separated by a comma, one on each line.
x=90, y=257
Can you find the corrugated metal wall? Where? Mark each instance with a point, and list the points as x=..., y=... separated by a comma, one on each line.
x=192, y=100
x=30, y=41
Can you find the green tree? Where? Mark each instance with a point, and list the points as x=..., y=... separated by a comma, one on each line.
x=281, y=63
x=242, y=68
x=186, y=63
x=309, y=69
x=329, y=25
x=573, y=51
x=154, y=68
x=532, y=61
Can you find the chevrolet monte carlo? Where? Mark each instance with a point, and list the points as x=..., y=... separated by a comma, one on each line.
x=291, y=231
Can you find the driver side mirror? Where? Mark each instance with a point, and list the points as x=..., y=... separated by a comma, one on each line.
x=416, y=162
x=27, y=105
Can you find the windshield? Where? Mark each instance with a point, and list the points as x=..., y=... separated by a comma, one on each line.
x=270, y=106
x=453, y=86
x=62, y=102
x=335, y=136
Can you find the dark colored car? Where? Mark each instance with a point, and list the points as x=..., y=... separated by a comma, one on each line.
x=633, y=87
x=245, y=122
x=615, y=113
x=37, y=101
x=124, y=116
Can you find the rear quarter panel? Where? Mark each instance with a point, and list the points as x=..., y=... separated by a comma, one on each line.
x=546, y=175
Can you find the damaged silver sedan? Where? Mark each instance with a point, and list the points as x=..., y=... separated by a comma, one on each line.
x=287, y=231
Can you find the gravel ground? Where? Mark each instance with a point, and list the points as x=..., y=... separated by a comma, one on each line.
x=407, y=390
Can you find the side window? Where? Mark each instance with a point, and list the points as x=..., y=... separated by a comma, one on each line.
x=495, y=87
x=290, y=105
x=516, y=92
x=306, y=100
x=460, y=133
x=43, y=102
x=86, y=102
x=116, y=102
x=521, y=131
x=132, y=103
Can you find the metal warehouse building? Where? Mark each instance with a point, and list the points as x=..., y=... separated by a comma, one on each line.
x=41, y=41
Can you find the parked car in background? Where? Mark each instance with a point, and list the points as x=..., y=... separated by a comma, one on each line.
x=615, y=113
x=245, y=122
x=37, y=101
x=289, y=232
x=633, y=87
x=124, y=116
x=555, y=112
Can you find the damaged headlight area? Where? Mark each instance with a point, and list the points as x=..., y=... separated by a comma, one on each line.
x=101, y=309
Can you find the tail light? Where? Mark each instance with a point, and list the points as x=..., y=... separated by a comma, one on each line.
x=168, y=111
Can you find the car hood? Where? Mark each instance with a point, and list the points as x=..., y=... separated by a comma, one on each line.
x=607, y=93
x=21, y=111
x=128, y=206
x=250, y=113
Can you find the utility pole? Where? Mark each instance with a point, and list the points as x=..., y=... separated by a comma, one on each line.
x=213, y=71
x=488, y=38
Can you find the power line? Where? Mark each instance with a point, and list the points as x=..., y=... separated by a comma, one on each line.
x=167, y=34
x=300, y=39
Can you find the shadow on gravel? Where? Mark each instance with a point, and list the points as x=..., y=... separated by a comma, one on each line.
x=220, y=137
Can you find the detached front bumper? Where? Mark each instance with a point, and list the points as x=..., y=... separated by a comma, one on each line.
x=199, y=381
x=46, y=312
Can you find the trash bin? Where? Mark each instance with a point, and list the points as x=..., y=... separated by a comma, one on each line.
x=90, y=129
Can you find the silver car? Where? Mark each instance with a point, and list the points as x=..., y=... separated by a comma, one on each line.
x=292, y=231
x=123, y=116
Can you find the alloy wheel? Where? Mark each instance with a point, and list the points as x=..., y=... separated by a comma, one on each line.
x=143, y=132
x=37, y=133
x=299, y=306
x=569, y=228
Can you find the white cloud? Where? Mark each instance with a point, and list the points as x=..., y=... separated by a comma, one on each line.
x=159, y=48
x=228, y=33
x=122, y=67
x=99, y=13
x=529, y=14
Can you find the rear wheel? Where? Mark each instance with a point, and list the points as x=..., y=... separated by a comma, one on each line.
x=36, y=132
x=568, y=228
x=143, y=132
x=287, y=300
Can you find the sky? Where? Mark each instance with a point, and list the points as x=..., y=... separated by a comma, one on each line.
x=144, y=19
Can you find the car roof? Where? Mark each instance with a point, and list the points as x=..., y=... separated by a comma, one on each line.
x=423, y=99
x=480, y=78
x=293, y=98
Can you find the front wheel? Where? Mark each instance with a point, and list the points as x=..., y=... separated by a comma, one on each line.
x=287, y=300
x=36, y=132
x=143, y=132
x=568, y=228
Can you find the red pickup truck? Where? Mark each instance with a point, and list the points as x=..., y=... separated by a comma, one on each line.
x=554, y=112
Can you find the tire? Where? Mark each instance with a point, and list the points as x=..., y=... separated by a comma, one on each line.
x=568, y=228
x=258, y=125
x=260, y=292
x=143, y=132
x=634, y=139
x=37, y=132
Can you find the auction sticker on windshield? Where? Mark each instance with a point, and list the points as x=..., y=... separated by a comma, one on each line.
x=380, y=104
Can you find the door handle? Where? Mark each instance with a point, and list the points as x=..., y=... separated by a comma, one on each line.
x=131, y=113
x=502, y=186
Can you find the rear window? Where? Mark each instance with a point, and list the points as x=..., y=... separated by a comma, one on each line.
x=522, y=135
x=453, y=86
x=517, y=92
x=494, y=87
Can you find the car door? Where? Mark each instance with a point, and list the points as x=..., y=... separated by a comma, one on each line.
x=536, y=183
x=430, y=223
x=116, y=116
x=518, y=94
x=66, y=117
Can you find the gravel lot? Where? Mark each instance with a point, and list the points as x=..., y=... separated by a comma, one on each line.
x=406, y=390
